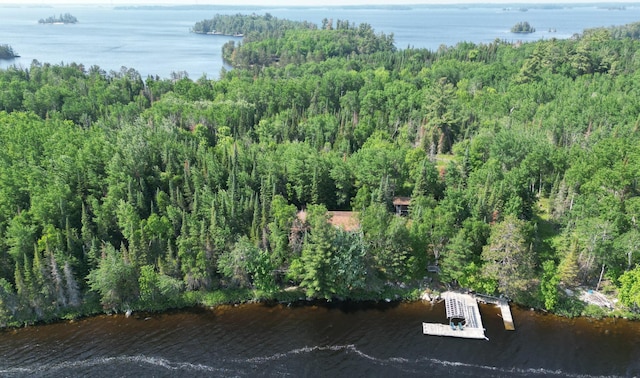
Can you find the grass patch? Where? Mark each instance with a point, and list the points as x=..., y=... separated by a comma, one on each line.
x=593, y=311
x=442, y=160
x=219, y=297
x=285, y=296
x=569, y=307
x=387, y=293
x=546, y=232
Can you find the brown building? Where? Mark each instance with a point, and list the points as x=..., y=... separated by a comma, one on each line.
x=401, y=205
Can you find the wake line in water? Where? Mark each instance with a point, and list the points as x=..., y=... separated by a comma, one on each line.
x=400, y=363
x=104, y=361
x=404, y=361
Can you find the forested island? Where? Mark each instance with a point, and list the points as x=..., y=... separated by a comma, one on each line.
x=251, y=26
x=6, y=52
x=523, y=28
x=517, y=165
x=62, y=19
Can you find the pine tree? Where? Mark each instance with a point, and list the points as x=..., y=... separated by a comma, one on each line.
x=508, y=257
x=41, y=287
x=568, y=268
x=23, y=292
x=317, y=275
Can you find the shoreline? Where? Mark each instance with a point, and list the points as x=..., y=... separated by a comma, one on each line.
x=218, y=34
x=212, y=300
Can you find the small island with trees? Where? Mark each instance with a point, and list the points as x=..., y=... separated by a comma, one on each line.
x=523, y=28
x=66, y=18
x=6, y=52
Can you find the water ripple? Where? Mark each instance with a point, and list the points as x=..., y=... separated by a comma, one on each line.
x=111, y=361
x=431, y=361
x=239, y=366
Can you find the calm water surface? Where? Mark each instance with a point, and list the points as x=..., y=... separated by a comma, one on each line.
x=336, y=340
x=158, y=42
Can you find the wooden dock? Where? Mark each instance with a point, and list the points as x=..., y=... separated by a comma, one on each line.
x=505, y=310
x=436, y=329
x=458, y=306
x=506, y=316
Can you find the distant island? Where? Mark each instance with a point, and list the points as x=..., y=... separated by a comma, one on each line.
x=522, y=27
x=240, y=25
x=515, y=9
x=63, y=19
x=6, y=52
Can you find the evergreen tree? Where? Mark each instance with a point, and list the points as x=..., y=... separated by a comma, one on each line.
x=314, y=268
x=508, y=258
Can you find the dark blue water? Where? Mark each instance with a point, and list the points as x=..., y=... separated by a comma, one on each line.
x=335, y=340
x=158, y=42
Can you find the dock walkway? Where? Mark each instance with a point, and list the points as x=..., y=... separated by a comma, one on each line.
x=507, y=318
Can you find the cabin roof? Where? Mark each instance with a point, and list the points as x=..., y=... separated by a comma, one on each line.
x=346, y=220
x=402, y=201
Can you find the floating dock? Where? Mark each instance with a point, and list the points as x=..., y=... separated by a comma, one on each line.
x=436, y=329
x=463, y=307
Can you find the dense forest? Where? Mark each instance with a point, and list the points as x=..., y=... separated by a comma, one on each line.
x=521, y=162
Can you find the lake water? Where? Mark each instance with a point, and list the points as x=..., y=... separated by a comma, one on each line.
x=158, y=42
x=356, y=340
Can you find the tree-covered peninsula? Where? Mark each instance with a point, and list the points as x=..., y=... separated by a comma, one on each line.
x=267, y=39
x=7, y=52
x=308, y=45
x=66, y=18
x=516, y=166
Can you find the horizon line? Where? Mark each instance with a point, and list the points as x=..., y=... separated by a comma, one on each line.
x=305, y=4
